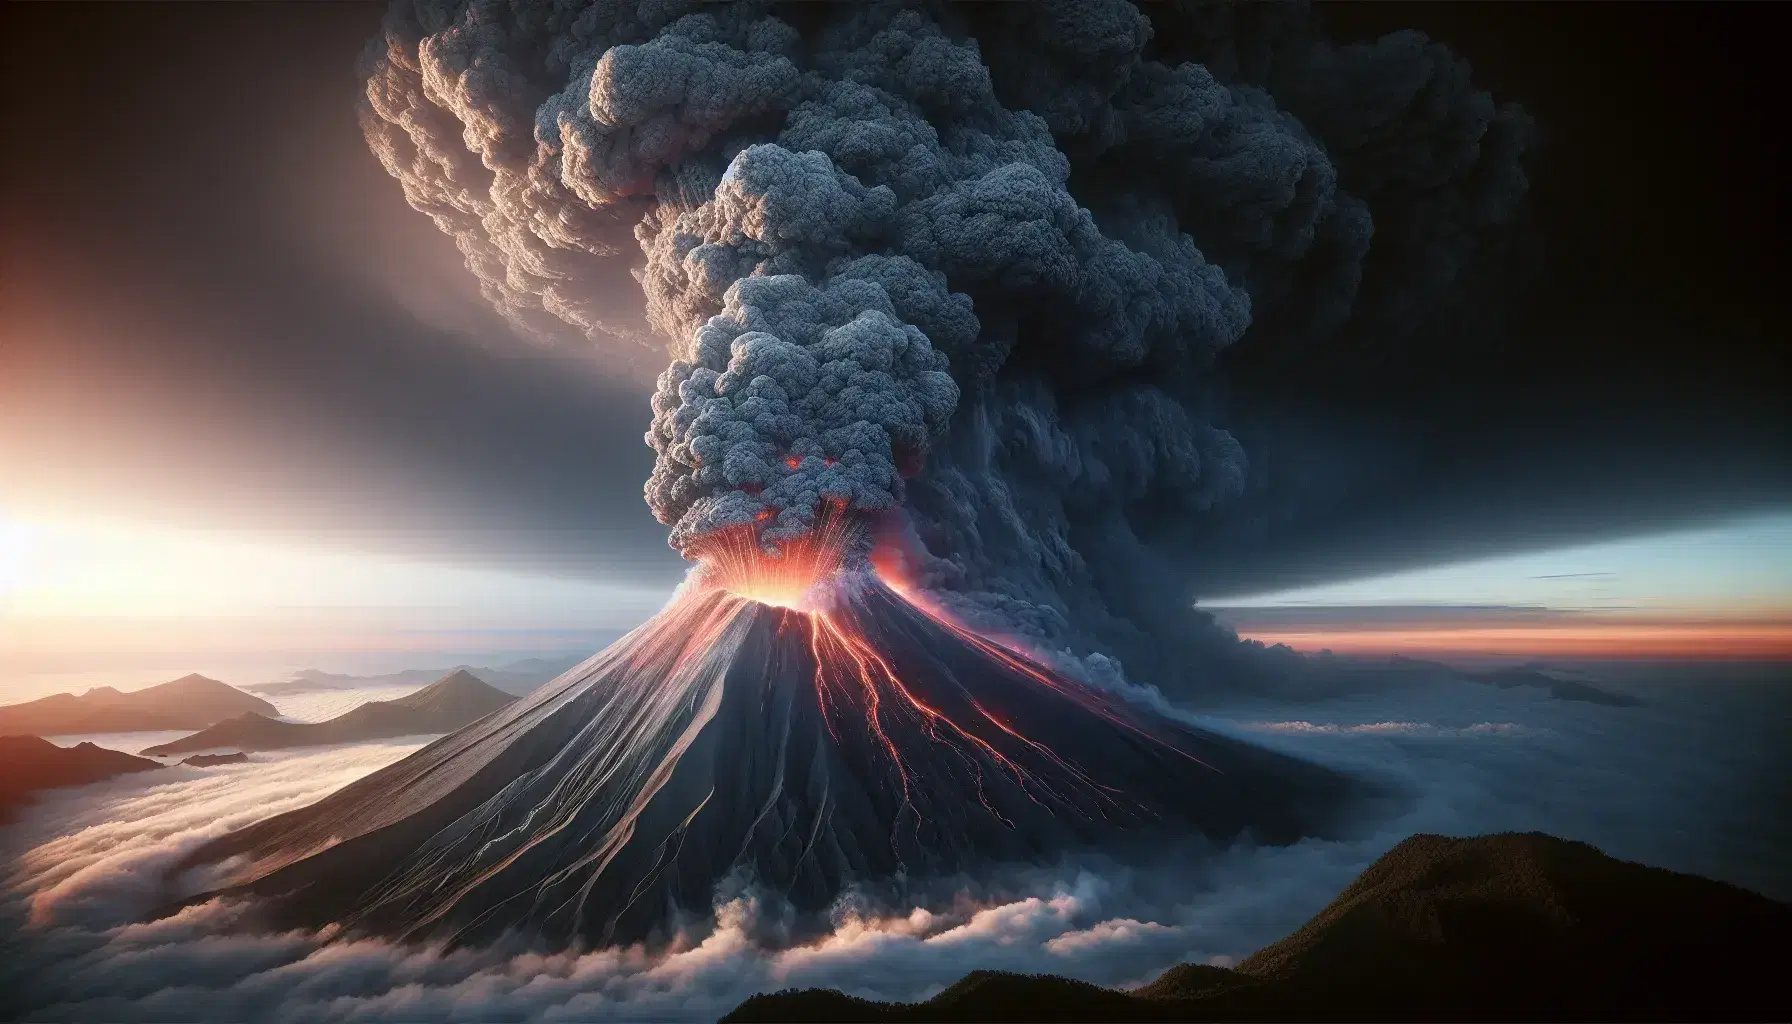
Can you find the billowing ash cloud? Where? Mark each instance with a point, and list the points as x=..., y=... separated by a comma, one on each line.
x=966, y=271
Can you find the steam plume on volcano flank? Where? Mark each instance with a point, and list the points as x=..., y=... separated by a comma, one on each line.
x=964, y=270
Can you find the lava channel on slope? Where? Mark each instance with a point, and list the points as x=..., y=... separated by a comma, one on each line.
x=785, y=722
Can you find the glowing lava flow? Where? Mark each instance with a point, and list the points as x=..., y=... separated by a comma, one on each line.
x=789, y=721
x=804, y=576
x=1025, y=665
x=784, y=576
x=836, y=645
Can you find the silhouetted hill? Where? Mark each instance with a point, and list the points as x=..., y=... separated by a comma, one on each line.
x=456, y=695
x=455, y=700
x=190, y=702
x=516, y=677
x=1534, y=676
x=29, y=764
x=1558, y=687
x=212, y=760
x=1502, y=925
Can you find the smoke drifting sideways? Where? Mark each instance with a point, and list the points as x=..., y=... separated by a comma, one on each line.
x=965, y=271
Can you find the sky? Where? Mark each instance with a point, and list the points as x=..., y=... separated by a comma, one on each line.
x=86, y=601
x=92, y=601
x=1724, y=590
x=240, y=381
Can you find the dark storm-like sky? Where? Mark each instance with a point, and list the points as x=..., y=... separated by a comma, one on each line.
x=220, y=312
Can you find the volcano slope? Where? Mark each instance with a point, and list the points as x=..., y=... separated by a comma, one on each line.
x=731, y=741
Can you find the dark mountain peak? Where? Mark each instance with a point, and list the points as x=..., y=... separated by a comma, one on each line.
x=991, y=994
x=453, y=701
x=33, y=763
x=194, y=685
x=1189, y=981
x=459, y=678
x=1484, y=914
x=210, y=760
x=1513, y=924
x=190, y=702
x=1536, y=674
x=457, y=690
x=11, y=746
x=1558, y=687
x=1432, y=862
x=22, y=753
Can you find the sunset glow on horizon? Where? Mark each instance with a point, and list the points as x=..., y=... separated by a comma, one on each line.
x=1734, y=639
x=1721, y=592
x=92, y=598
x=113, y=602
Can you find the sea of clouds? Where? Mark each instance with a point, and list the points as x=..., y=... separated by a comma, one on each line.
x=1694, y=779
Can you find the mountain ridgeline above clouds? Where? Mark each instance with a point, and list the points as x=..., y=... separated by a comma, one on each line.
x=1507, y=925
x=190, y=702
x=457, y=699
x=30, y=764
x=513, y=677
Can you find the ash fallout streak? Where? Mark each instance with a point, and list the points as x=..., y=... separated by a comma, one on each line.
x=945, y=289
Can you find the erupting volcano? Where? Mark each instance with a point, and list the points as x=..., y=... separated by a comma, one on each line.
x=787, y=721
x=958, y=278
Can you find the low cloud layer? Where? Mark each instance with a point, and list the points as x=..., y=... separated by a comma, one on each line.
x=1681, y=781
x=99, y=857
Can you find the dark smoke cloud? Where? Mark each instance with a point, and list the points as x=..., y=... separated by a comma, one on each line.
x=975, y=267
x=243, y=325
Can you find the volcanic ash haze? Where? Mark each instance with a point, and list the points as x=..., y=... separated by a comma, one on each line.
x=728, y=741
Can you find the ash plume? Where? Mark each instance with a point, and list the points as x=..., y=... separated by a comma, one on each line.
x=968, y=272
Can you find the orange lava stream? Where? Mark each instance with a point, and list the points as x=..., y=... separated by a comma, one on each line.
x=1021, y=663
x=736, y=560
x=875, y=677
x=852, y=677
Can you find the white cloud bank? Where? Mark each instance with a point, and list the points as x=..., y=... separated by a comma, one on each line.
x=1685, y=781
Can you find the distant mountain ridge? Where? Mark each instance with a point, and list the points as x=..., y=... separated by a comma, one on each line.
x=31, y=764
x=1535, y=675
x=190, y=702
x=515, y=677
x=457, y=699
x=1558, y=687
x=1509, y=926
x=1538, y=676
x=213, y=760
